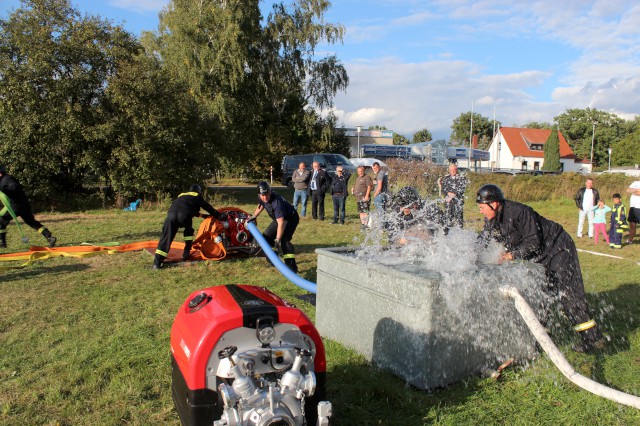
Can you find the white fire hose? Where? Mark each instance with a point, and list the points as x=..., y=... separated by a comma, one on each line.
x=558, y=359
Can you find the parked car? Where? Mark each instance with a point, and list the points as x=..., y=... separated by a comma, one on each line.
x=327, y=161
x=367, y=163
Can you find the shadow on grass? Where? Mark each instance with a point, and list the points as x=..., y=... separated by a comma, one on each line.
x=36, y=271
x=618, y=312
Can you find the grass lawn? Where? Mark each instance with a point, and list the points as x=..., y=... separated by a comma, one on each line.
x=86, y=341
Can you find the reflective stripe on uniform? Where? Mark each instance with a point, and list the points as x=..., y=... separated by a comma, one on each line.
x=3, y=231
x=195, y=194
x=188, y=237
x=41, y=229
x=162, y=253
x=585, y=326
x=289, y=256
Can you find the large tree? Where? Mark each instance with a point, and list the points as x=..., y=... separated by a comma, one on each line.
x=552, y=152
x=577, y=126
x=257, y=79
x=54, y=65
x=482, y=126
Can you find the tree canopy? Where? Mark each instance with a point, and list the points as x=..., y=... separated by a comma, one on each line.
x=423, y=135
x=482, y=126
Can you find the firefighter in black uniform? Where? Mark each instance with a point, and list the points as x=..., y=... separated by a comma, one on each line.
x=19, y=203
x=414, y=219
x=284, y=222
x=180, y=215
x=527, y=235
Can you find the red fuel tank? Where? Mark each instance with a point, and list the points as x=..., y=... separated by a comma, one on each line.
x=263, y=331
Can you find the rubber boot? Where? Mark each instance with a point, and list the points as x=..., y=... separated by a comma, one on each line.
x=50, y=238
x=291, y=263
x=157, y=261
x=591, y=340
x=187, y=250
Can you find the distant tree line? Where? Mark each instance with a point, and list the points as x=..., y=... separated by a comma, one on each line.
x=218, y=87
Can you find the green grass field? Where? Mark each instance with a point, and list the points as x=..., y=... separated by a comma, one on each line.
x=86, y=341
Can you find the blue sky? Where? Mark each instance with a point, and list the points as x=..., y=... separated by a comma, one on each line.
x=415, y=64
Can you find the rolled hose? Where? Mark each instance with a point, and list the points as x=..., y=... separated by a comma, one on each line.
x=279, y=264
x=558, y=359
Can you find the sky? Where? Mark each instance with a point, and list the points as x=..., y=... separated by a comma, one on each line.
x=419, y=64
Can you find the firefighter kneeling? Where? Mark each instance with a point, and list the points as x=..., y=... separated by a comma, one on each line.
x=284, y=223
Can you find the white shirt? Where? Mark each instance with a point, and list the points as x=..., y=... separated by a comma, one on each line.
x=587, y=199
x=634, y=201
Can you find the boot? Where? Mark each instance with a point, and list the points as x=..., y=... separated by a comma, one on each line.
x=52, y=241
x=291, y=263
x=157, y=261
x=591, y=340
x=187, y=250
x=3, y=240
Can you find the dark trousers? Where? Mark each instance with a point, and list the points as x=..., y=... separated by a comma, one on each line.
x=615, y=236
x=290, y=225
x=172, y=223
x=24, y=211
x=317, y=204
x=339, y=202
x=565, y=277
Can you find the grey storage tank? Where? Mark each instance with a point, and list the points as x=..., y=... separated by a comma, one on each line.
x=429, y=328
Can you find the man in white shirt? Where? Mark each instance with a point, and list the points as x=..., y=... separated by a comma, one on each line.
x=586, y=198
x=634, y=209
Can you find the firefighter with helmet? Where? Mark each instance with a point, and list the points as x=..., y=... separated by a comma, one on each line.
x=284, y=222
x=180, y=215
x=415, y=219
x=19, y=203
x=528, y=236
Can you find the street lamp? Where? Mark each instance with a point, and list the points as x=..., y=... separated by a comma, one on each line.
x=593, y=138
x=609, y=158
x=358, y=130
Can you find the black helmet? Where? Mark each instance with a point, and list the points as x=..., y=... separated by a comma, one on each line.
x=489, y=193
x=407, y=196
x=196, y=188
x=263, y=188
x=2, y=169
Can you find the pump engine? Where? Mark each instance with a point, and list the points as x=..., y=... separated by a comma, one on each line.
x=242, y=356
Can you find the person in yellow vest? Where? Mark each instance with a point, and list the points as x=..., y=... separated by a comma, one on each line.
x=180, y=215
x=19, y=203
x=618, y=222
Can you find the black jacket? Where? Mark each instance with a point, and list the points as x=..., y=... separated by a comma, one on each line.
x=340, y=184
x=188, y=204
x=323, y=181
x=12, y=189
x=580, y=196
x=525, y=233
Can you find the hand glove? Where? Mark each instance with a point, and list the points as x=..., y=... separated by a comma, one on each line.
x=276, y=243
x=223, y=217
x=250, y=218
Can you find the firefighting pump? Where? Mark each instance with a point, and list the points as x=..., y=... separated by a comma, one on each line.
x=242, y=356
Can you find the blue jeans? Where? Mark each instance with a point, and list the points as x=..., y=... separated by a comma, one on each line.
x=380, y=202
x=338, y=207
x=301, y=196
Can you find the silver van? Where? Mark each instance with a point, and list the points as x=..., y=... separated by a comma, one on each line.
x=327, y=161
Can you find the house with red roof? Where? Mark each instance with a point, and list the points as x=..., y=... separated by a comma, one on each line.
x=515, y=148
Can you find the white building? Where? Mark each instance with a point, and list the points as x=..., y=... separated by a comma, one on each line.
x=515, y=148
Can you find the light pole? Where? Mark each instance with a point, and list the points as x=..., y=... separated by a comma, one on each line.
x=610, y=159
x=358, y=130
x=593, y=138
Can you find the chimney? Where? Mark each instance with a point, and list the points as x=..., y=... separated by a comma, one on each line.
x=474, y=141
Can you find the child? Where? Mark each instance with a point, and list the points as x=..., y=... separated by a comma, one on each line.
x=618, y=222
x=600, y=221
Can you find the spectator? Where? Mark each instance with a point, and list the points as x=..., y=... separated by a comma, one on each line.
x=586, y=198
x=452, y=187
x=300, y=179
x=339, y=192
x=618, y=222
x=600, y=221
x=319, y=183
x=634, y=210
x=20, y=205
x=381, y=183
x=362, y=190
x=528, y=236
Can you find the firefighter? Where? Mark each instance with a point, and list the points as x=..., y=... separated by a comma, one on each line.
x=284, y=222
x=180, y=215
x=527, y=235
x=415, y=219
x=19, y=203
